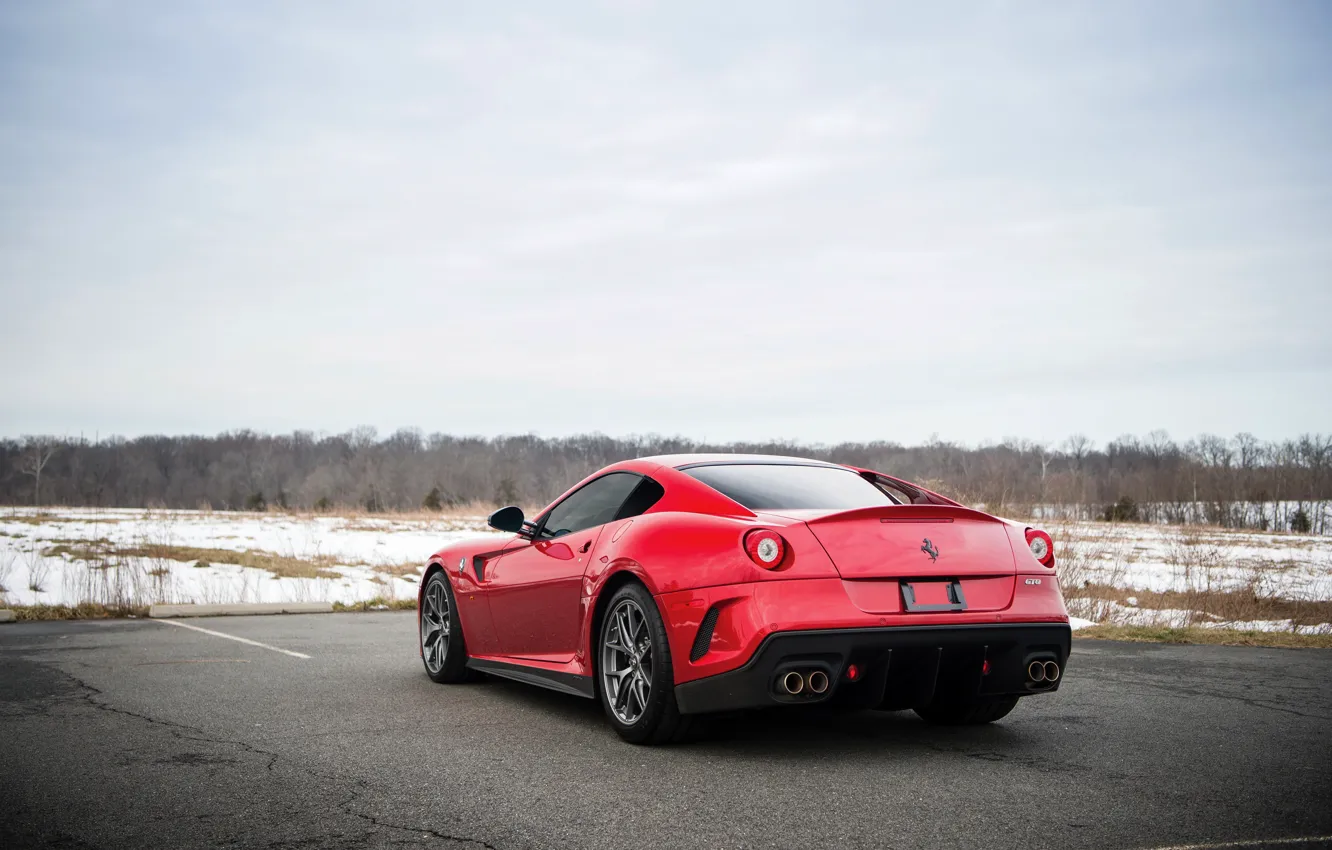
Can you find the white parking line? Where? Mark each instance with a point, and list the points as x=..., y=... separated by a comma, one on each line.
x=232, y=637
x=1252, y=842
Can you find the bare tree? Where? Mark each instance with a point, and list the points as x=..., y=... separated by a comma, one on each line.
x=1046, y=454
x=35, y=458
x=1076, y=448
x=1246, y=482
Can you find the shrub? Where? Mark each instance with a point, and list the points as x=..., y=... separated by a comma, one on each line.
x=431, y=500
x=1125, y=510
x=1299, y=523
x=256, y=502
x=323, y=505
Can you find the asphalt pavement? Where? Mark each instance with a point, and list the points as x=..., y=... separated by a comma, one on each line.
x=144, y=733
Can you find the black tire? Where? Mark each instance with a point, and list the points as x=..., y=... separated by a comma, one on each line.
x=973, y=712
x=451, y=668
x=659, y=720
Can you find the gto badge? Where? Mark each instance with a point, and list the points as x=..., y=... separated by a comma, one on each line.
x=462, y=565
x=930, y=549
x=1033, y=581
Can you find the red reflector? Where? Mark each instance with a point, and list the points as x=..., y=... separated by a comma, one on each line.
x=985, y=667
x=853, y=672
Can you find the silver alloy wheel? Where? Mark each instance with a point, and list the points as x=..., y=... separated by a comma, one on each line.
x=626, y=662
x=435, y=626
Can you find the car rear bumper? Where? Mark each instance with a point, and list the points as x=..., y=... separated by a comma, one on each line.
x=895, y=667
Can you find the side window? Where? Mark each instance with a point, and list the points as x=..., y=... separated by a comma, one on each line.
x=645, y=495
x=595, y=504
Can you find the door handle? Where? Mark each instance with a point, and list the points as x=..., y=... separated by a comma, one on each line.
x=586, y=546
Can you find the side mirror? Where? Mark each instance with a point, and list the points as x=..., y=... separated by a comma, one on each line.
x=507, y=519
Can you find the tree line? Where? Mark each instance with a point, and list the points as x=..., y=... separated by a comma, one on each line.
x=1239, y=482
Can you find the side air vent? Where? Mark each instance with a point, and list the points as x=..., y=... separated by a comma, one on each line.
x=704, y=637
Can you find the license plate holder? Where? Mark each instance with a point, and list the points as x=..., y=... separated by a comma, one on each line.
x=923, y=596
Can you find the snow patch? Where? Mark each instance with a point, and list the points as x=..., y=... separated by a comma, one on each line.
x=361, y=558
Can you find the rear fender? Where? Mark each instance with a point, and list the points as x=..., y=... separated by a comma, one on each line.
x=597, y=586
x=678, y=551
x=670, y=551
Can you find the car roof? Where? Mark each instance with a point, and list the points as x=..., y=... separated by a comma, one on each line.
x=678, y=461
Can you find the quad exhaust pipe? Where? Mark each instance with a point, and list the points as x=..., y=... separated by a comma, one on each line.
x=793, y=683
x=818, y=682
x=1043, y=671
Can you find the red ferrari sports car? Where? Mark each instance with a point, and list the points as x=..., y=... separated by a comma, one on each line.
x=669, y=587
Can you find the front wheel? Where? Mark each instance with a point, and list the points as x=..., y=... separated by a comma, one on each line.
x=442, y=646
x=968, y=712
x=637, y=683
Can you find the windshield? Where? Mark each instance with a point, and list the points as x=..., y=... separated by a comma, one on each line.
x=773, y=487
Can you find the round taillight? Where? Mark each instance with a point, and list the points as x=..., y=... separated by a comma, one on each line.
x=765, y=548
x=1039, y=548
x=1042, y=547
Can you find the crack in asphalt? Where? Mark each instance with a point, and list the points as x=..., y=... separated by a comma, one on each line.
x=346, y=807
x=1176, y=689
x=1252, y=702
x=423, y=831
x=1038, y=763
x=200, y=736
x=89, y=692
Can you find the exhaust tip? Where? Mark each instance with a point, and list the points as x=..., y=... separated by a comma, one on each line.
x=818, y=682
x=793, y=682
x=1051, y=671
x=1036, y=671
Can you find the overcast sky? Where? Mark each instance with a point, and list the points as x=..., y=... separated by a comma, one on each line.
x=816, y=221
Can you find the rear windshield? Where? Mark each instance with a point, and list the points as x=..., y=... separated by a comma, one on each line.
x=774, y=487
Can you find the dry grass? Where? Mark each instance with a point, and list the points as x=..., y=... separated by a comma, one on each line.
x=93, y=611
x=34, y=519
x=7, y=559
x=472, y=511
x=82, y=611
x=79, y=550
x=457, y=512
x=288, y=566
x=1079, y=557
x=378, y=603
x=1223, y=605
x=1210, y=582
x=407, y=569
x=1195, y=635
x=1080, y=531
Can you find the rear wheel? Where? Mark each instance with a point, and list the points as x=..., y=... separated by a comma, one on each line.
x=637, y=682
x=442, y=646
x=969, y=712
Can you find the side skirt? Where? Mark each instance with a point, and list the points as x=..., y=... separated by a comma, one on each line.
x=565, y=683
